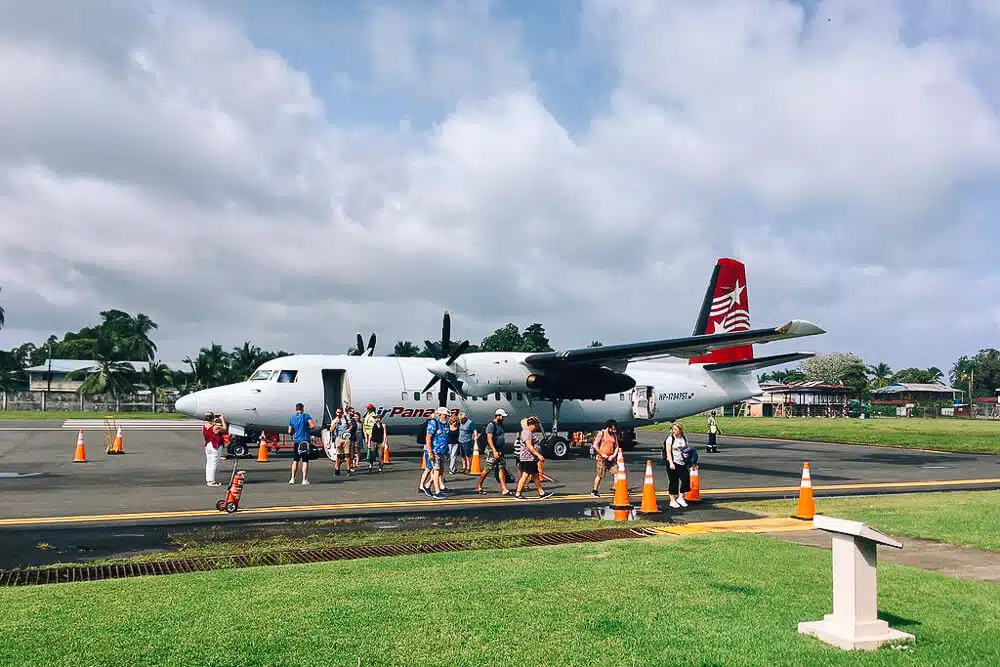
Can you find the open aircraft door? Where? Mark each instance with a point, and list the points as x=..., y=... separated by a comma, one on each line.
x=643, y=402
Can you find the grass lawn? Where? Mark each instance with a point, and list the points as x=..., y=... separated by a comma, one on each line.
x=962, y=518
x=71, y=414
x=724, y=599
x=953, y=435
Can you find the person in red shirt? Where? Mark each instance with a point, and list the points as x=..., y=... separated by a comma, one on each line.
x=213, y=430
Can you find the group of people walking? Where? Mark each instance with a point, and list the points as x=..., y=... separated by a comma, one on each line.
x=450, y=441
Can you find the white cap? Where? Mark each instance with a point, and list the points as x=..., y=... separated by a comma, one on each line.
x=500, y=413
x=442, y=411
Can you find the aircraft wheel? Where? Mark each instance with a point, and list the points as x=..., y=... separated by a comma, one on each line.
x=559, y=447
x=221, y=505
x=230, y=507
x=240, y=449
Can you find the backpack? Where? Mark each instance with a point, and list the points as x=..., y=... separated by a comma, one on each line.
x=690, y=455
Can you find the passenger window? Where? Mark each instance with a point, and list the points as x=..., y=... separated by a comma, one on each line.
x=475, y=398
x=509, y=396
x=519, y=397
x=452, y=395
x=287, y=376
x=405, y=395
x=621, y=397
x=416, y=395
x=429, y=396
x=498, y=395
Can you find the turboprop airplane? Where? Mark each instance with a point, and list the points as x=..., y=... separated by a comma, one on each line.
x=576, y=390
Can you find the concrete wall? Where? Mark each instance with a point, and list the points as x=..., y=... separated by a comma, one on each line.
x=40, y=400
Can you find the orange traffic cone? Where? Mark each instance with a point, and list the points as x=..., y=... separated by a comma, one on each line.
x=477, y=464
x=262, y=455
x=81, y=449
x=807, y=507
x=622, y=500
x=385, y=454
x=649, y=492
x=695, y=492
x=118, y=446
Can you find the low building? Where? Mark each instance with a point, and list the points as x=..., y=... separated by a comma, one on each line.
x=810, y=398
x=61, y=369
x=912, y=393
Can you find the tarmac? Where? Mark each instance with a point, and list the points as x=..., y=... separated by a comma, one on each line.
x=161, y=478
x=128, y=504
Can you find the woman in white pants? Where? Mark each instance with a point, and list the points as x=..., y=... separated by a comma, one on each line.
x=213, y=431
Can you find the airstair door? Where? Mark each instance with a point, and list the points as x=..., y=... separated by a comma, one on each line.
x=643, y=402
x=334, y=384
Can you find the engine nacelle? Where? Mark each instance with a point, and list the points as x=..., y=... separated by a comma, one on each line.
x=485, y=375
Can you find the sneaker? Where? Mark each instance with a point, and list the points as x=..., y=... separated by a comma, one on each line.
x=682, y=502
x=426, y=491
x=595, y=494
x=213, y=483
x=337, y=472
x=291, y=481
x=438, y=496
x=673, y=503
x=305, y=482
x=547, y=494
x=518, y=496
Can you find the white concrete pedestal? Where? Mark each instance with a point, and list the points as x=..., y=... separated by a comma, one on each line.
x=854, y=623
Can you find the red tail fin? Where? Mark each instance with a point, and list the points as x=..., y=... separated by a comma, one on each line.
x=726, y=308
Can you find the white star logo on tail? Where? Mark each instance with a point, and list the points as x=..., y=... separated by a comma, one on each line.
x=726, y=314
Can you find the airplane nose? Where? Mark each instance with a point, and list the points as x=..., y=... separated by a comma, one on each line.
x=187, y=405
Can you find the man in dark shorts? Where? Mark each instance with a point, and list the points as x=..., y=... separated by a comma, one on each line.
x=300, y=427
x=495, y=461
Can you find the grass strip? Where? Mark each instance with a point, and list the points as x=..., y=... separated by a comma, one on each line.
x=961, y=518
x=724, y=599
x=949, y=435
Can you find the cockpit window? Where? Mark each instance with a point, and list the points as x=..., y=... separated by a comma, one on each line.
x=260, y=376
x=287, y=376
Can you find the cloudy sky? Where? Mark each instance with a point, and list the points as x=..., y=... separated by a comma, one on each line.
x=292, y=173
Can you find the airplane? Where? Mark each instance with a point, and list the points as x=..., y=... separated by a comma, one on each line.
x=637, y=384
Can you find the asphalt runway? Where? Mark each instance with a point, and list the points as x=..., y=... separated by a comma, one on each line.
x=160, y=479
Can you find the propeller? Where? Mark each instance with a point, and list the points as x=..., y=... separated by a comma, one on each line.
x=443, y=372
x=361, y=345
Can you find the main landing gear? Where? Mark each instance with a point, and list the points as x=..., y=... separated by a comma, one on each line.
x=555, y=443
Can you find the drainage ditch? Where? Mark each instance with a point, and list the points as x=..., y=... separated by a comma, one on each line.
x=74, y=573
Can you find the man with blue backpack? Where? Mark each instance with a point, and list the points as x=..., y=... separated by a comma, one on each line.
x=679, y=456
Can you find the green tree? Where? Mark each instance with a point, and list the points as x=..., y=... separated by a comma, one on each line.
x=983, y=370
x=596, y=343
x=534, y=340
x=881, y=373
x=112, y=373
x=505, y=339
x=243, y=361
x=837, y=368
x=211, y=368
x=156, y=378
x=405, y=348
x=3, y=315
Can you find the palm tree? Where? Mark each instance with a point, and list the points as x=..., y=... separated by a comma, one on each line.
x=404, y=348
x=139, y=328
x=880, y=374
x=244, y=360
x=156, y=377
x=2, y=317
x=211, y=368
x=934, y=374
x=110, y=375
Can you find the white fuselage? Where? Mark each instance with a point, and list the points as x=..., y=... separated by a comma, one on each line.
x=665, y=390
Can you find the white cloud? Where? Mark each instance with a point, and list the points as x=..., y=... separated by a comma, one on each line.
x=184, y=171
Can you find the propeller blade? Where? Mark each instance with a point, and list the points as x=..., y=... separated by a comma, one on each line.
x=433, y=348
x=443, y=394
x=458, y=352
x=361, y=344
x=431, y=383
x=446, y=334
x=371, y=345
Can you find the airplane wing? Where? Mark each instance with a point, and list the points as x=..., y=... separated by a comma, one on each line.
x=688, y=347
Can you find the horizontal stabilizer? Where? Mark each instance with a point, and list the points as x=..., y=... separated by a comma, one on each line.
x=758, y=363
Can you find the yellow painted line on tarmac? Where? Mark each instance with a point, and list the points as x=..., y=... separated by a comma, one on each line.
x=455, y=502
x=764, y=525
